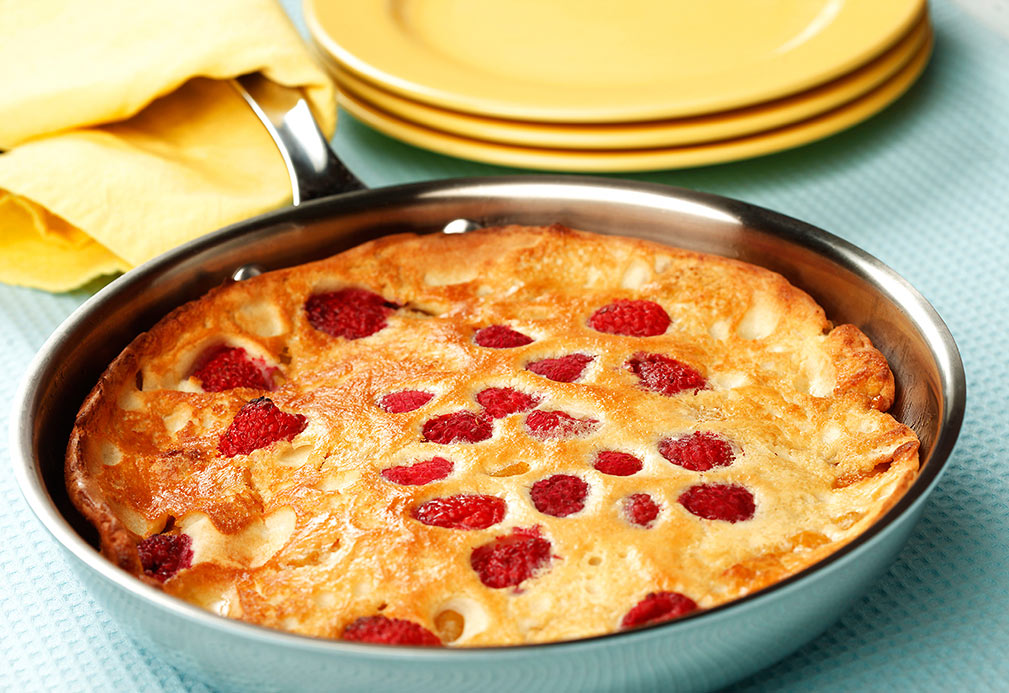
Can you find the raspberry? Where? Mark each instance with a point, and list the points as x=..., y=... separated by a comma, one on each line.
x=457, y=427
x=559, y=495
x=511, y=559
x=617, y=463
x=664, y=375
x=565, y=369
x=658, y=607
x=258, y=424
x=404, y=401
x=500, y=337
x=640, y=509
x=461, y=512
x=163, y=555
x=502, y=401
x=349, y=313
x=419, y=473
x=698, y=451
x=226, y=368
x=632, y=318
x=547, y=425
x=389, y=631
x=728, y=502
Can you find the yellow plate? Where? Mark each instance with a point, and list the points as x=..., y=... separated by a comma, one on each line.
x=645, y=159
x=604, y=61
x=640, y=135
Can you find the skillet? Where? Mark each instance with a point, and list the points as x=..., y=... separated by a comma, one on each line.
x=702, y=651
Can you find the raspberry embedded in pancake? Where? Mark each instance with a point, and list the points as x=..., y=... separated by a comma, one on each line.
x=617, y=463
x=500, y=337
x=226, y=368
x=634, y=318
x=515, y=435
x=462, y=512
x=664, y=375
x=163, y=555
x=726, y=502
x=503, y=401
x=565, y=369
x=404, y=401
x=547, y=425
x=510, y=560
x=419, y=473
x=559, y=495
x=698, y=452
x=641, y=510
x=658, y=607
x=389, y=631
x=257, y=424
x=457, y=427
x=348, y=313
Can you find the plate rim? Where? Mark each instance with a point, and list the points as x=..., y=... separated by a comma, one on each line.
x=609, y=161
x=473, y=93
x=641, y=134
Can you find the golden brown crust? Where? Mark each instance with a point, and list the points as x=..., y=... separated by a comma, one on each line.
x=860, y=367
x=117, y=543
x=306, y=535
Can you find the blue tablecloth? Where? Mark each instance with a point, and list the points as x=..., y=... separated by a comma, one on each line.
x=924, y=186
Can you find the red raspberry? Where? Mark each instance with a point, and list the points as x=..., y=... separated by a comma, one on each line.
x=658, y=607
x=419, y=473
x=457, y=427
x=565, y=369
x=404, y=401
x=728, y=502
x=389, y=631
x=349, y=313
x=664, y=375
x=163, y=555
x=511, y=559
x=500, y=337
x=698, y=452
x=258, y=424
x=617, y=463
x=559, y=495
x=502, y=401
x=640, y=509
x=461, y=512
x=633, y=318
x=547, y=425
x=226, y=368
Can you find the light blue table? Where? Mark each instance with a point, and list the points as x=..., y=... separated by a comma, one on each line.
x=924, y=186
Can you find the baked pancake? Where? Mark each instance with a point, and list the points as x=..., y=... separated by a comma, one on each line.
x=513, y=435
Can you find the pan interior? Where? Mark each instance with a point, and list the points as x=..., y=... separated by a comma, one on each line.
x=850, y=285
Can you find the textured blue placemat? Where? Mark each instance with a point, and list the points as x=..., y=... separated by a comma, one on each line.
x=924, y=186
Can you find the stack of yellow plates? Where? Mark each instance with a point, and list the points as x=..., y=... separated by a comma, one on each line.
x=598, y=85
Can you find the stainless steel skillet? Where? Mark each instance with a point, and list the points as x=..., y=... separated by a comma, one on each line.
x=699, y=652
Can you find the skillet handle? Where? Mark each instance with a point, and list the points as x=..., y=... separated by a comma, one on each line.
x=313, y=167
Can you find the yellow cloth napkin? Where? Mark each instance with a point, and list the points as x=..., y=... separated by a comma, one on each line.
x=123, y=136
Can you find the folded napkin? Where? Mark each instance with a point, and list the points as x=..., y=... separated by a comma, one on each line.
x=124, y=137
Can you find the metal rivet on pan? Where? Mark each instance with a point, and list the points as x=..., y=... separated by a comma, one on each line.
x=460, y=226
x=246, y=272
